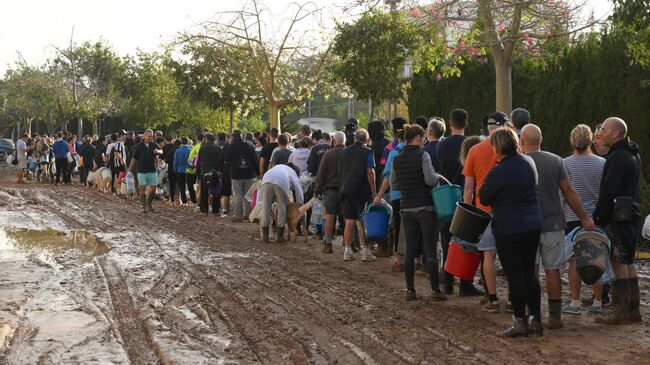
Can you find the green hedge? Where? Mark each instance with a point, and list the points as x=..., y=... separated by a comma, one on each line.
x=592, y=80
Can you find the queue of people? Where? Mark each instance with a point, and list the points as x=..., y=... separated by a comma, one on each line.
x=536, y=198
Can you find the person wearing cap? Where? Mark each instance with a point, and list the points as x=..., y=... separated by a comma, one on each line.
x=480, y=161
x=350, y=129
x=397, y=124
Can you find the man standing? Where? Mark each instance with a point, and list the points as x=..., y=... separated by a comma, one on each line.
x=100, y=152
x=519, y=117
x=327, y=185
x=144, y=157
x=280, y=155
x=21, y=155
x=553, y=178
x=618, y=211
x=243, y=169
x=116, y=157
x=277, y=185
x=377, y=132
x=267, y=151
x=357, y=174
x=435, y=130
x=210, y=168
x=60, y=149
x=480, y=160
x=448, y=154
x=87, y=153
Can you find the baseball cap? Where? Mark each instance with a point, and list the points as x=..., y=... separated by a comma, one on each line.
x=499, y=119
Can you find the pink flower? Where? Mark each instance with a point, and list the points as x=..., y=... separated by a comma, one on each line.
x=438, y=77
x=526, y=36
x=501, y=27
x=415, y=12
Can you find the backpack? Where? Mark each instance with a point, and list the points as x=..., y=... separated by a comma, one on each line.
x=213, y=180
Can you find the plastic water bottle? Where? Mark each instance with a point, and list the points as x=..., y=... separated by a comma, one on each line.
x=130, y=182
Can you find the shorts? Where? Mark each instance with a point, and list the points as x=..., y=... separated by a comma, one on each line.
x=552, y=250
x=622, y=237
x=487, y=241
x=147, y=179
x=226, y=183
x=352, y=207
x=332, y=201
x=22, y=164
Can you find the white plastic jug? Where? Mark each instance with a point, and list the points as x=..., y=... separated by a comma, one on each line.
x=130, y=182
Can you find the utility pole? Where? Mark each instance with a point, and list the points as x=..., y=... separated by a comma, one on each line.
x=80, y=123
x=393, y=9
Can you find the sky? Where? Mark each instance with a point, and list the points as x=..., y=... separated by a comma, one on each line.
x=29, y=28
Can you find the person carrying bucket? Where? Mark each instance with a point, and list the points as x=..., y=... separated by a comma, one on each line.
x=448, y=153
x=412, y=174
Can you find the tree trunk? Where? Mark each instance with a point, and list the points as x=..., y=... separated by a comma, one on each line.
x=503, y=70
x=274, y=115
x=95, y=127
x=80, y=127
x=371, y=109
x=232, y=121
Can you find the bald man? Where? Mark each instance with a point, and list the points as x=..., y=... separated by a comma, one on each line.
x=618, y=211
x=553, y=179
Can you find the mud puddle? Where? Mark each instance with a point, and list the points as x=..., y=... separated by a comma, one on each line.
x=47, y=244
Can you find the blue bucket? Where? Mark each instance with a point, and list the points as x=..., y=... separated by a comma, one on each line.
x=375, y=221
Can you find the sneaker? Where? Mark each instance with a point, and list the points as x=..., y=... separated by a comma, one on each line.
x=410, y=295
x=368, y=256
x=596, y=309
x=348, y=256
x=509, y=307
x=224, y=215
x=438, y=296
x=491, y=307
x=571, y=310
x=327, y=249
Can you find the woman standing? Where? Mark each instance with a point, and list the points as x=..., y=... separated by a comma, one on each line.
x=511, y=189
x=413, y=176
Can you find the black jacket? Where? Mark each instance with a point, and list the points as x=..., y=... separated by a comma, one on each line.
x=353, y=172
x=621, y=177
x=241, y=160
x=328, y=171
x=316, y=156
x=100, y=149
x=87, y=151
x=210, y=158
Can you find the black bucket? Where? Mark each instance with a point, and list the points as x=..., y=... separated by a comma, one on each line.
x=591, y=250
x=469, y=222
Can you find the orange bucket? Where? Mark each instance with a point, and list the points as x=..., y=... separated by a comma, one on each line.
x=460, y=263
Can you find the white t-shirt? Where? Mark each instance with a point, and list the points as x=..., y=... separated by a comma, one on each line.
x=21, y=149
x=284, y=177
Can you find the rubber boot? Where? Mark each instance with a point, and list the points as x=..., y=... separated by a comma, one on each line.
x=634, y=301
x=264, y=232
x=280, y=238
x=519, y=328
x=381, y=250
x=620, y=304
x=143, y=203
x=535, y=326
x=149, y=203
x=554, y=314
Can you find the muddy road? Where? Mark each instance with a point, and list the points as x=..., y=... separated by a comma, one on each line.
x=86, y=277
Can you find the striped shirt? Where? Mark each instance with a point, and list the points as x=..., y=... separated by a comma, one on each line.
x=585, y=173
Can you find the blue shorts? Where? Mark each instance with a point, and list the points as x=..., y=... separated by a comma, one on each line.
x=147, y=179
x=487, y=241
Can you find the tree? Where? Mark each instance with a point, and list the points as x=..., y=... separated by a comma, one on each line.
x=370, y=55
x=505, y=28
x=209, y=78
x=286, y=62
x=631, y=19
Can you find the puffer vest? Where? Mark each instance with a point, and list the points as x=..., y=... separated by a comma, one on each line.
x=410, y=178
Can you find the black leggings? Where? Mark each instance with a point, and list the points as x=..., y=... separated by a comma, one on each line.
x=517, y=254
x=397, y=219
x=171, y=180
x=181, y=179
x=61, y=169
x=420, y=230
x=190, y=179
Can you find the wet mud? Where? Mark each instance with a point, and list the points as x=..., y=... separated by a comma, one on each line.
x=90, y=279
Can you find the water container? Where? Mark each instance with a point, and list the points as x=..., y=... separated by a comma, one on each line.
x=375, y=221
x=130, y=183
x=591, y=250
x=469, y=222
x=445, y=198
x=461, y=263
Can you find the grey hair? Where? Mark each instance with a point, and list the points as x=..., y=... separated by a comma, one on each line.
x=361, y=135
x=339, y=137
x=436, y=127
x=148, y=130
x=520, y=117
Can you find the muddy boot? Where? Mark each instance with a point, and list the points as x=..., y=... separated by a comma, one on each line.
x=264, y=233
x=620, y=304
x=535, y=326
x=554, y=314
x=280, y=238
x=327, y=248
x=149, y=203
x=519, y=328
x=143, y=203
x=634, y=301
x=467, y=289
x=381, y=250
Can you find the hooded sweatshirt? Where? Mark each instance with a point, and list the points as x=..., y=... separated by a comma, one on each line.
x=299, y=158
x=621, y=177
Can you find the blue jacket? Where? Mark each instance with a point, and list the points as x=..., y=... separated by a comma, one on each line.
x=60, y=149
x=180, y=159
x=511, y=189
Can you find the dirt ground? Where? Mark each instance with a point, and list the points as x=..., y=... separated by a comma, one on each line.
x=179, y=287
